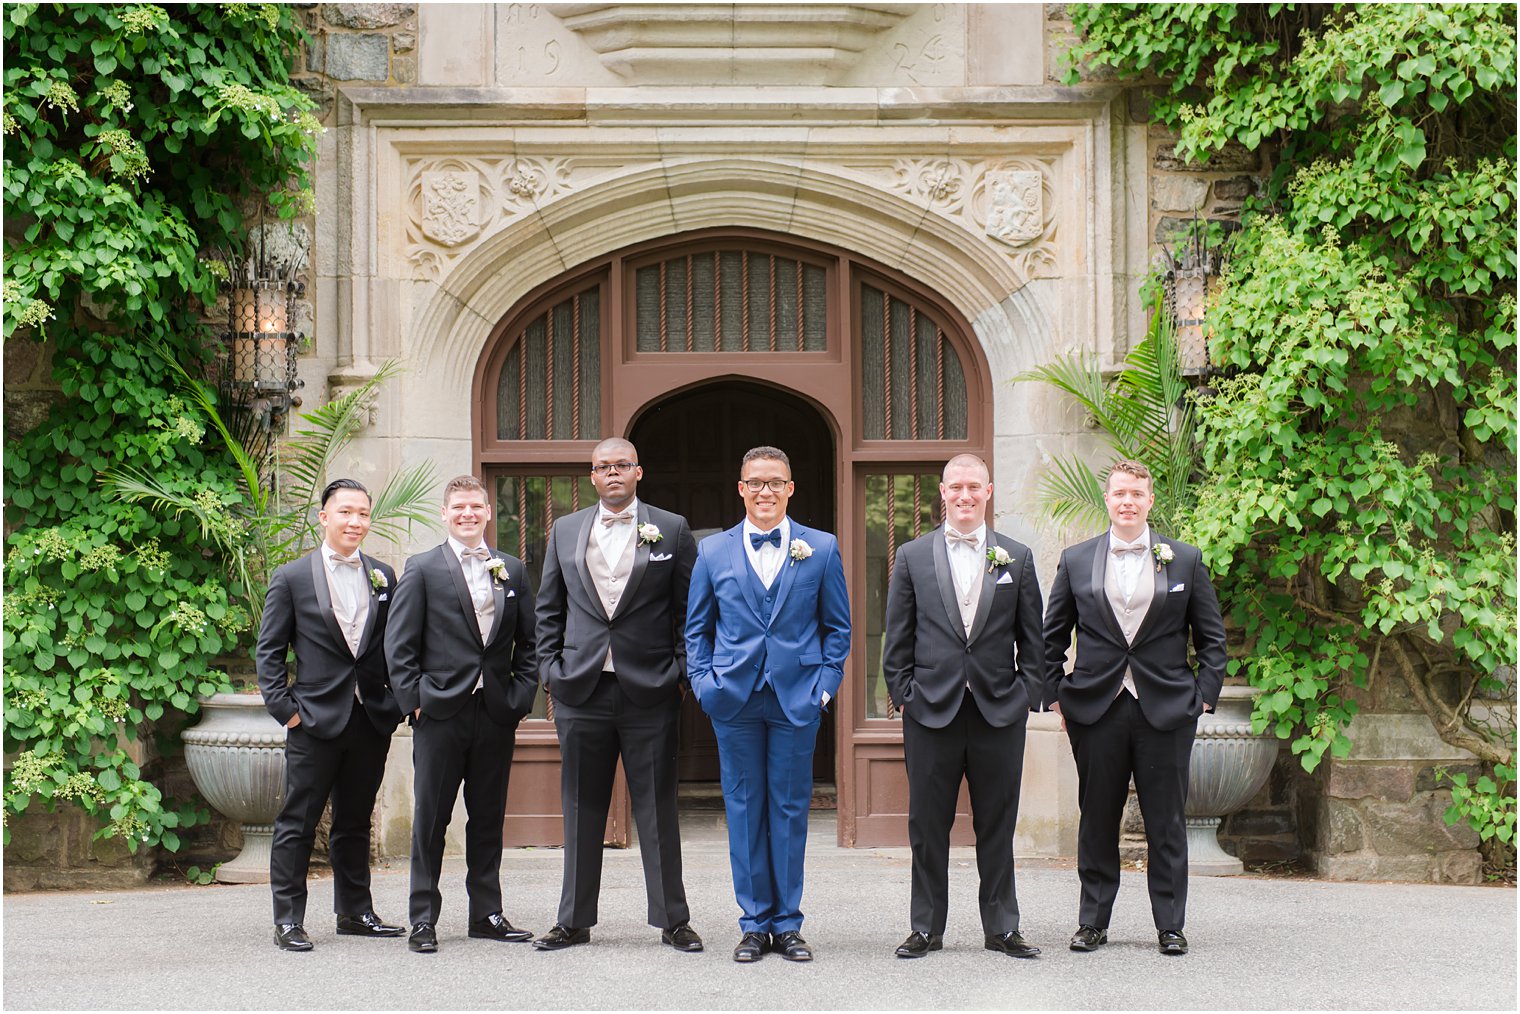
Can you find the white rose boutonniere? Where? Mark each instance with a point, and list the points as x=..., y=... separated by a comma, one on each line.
x=799, y=550
x=1163, y=554
x=997, y=557
x=498, y=569
x=649, y=534
x=377, y=580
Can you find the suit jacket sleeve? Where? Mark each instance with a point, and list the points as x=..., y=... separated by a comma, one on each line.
x=552, y=604
x=403, y=635
x=275, y=631
x=680, y=590
x=1028, y=634
x=525, y=637
x=701, y=624
x=1060, y=618
x=1207, y=625
x=900, y=626
x=834, y=621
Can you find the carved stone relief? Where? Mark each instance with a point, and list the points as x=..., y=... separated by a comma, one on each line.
x=1014, y=205
x=450, y=206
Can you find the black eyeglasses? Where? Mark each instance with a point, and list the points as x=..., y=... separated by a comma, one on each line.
x=774, y=485
x=617, y=466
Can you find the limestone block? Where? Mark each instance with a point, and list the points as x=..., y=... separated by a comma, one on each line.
x=1373, y=867
x=1414, y=828
x=1005, y=44
x=403, y=42
x=405, y=69
x=1233, y=157
x=367, y=15
x=26, y=410
x=1178, y=193
x=1427, y=779
x=1048, y=798
x=358, y=57
x=1378, y=781
x=455, y=45
x=1400, y=737
x=22, y=357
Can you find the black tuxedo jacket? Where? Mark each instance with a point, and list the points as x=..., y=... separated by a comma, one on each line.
x=298, y=613
x=646, y=631
x=927, y=657
x=435, y=648
x=1171, y=693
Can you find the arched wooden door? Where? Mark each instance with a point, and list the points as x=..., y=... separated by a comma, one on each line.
x=698, y=347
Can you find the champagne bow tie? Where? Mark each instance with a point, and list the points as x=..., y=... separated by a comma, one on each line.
x=478, y=553
x=756, y=540
x=608, y=520
x=953, y=537
x=346, y=561
x=1121, y=550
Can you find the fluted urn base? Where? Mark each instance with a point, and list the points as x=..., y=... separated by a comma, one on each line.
x=236, y=755
x=1229, y=766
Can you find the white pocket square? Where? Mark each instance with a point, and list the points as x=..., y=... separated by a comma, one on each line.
x=659, y=557
x=511, y=594
x=1007, y=578
x=382, y=597
x=1176, y=588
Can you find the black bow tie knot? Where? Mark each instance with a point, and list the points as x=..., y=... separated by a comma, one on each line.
x=756, y=540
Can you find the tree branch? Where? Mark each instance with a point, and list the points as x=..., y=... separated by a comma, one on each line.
x=1447, y=723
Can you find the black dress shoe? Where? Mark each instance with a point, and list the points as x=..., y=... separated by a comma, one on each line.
x=1172, y=943
x=918, y=944
x=496, y=927
x=424, y=939
x=560, y=937
x=682, y=938
x=1012, y=944
x=752, y=947
x=1088, y=938
x=367, y=925
x=291, y=936
x=791, y=946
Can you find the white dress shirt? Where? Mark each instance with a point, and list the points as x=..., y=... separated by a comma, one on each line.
x=613, y=539
x=767, y=560
x=349, y=594
x=479, y=582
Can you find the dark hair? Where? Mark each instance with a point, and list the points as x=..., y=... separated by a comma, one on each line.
x=767, y=453
x=337, y=484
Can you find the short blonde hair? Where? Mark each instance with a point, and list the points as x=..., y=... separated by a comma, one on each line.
x=463, y=484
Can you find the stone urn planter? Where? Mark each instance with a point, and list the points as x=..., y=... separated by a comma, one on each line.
x=236, y=755
x=1229, y=766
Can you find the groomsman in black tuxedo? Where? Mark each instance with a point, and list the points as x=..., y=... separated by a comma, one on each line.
x=330, y=606
x=611, y=611
x=463, y=665
x=964, y=659
x=1131, y=703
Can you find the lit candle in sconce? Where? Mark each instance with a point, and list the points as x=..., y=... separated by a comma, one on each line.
x=259, y=348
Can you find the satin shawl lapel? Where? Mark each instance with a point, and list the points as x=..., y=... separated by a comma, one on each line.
x=641, y=551
x=749, y=581
x=499, y=597
x=582, y=542
x=462, y=588
x=788, y=572
x=324, y=599
x=990, y=577
x=1158, y=599
x=1105, y=607
x=367, y=567
x=946, y=581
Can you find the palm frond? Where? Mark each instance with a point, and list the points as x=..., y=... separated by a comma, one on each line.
x=401, y=504
x=1071, y=493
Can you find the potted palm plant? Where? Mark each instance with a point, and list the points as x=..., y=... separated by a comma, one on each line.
x=236, y=754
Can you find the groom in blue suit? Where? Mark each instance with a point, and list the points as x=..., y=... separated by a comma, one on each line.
x=767, y=635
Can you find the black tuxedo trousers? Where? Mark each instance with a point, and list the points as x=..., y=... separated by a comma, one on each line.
x=348, y=768
x=472, y=747
x=1120, y=745
x=991, y=760
x=591, y=737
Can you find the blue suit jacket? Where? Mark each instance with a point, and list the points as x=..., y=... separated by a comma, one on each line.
x=801, y=643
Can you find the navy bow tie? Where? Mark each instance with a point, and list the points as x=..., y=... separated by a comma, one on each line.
x=756, y=540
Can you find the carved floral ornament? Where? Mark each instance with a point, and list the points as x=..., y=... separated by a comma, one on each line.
x=454, y=201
